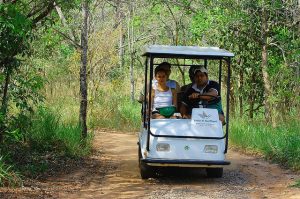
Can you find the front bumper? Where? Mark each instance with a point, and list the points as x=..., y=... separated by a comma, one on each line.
x=185, y=163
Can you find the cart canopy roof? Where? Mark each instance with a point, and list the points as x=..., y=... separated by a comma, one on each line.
x=165, y=51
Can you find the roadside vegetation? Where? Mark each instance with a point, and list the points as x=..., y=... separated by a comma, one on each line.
x=297, y=184
x=279, y=144
x=42, y=103
x=44, y=140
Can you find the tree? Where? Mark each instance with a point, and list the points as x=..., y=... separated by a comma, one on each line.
x=83, y=81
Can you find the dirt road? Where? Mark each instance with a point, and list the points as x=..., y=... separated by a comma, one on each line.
x=112, y=172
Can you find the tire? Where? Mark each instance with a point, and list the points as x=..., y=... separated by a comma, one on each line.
x=145, y=170
x=214, y=172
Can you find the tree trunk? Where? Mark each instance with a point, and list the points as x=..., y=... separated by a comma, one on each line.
x=131, y=50
x=251, y=107
x=252, y=97
x=64, y=22
x=83, y=80
x=241, y=87
x=119, y=22
x=5, y=91
x=232, y=97
x=4, y=105
x=264, y=68
x=121, y=47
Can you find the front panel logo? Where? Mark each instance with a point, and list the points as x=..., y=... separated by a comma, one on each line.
x=204, y=115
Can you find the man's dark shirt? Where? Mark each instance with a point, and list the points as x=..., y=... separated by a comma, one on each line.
x=194, y=103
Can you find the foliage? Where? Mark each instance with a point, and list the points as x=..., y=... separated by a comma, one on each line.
x=110, y=109
x=48, y=134
x=39, y=64
x=238, y=28
x=15, y=29
x=115, y=110
x=7, y=176
x=45, y=137
x=297, y=184
x=24, y=96
x=281, y=144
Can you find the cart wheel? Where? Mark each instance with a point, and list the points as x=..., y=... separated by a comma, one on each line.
x=214, y=172
x=145, y=170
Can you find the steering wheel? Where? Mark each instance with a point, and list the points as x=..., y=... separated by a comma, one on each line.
x=214, y=100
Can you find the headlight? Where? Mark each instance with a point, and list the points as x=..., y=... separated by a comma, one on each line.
x=211, y=149
x=162, y=147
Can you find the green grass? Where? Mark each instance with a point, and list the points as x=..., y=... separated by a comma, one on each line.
x=46, y=142
x=48, y=133
x=281, y=144
x=8, y=177
x=117, y=113
x=297, y=184
x=112, y=108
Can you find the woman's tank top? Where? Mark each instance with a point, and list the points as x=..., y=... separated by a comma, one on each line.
x=170, y=84
x=162, y=98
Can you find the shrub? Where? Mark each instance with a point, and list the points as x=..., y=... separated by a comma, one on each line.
x=281, y=144
x=7, y=176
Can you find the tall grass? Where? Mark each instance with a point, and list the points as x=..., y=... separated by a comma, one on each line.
x=115, y=112
x=108, y=107
x=281, y=144
x=297, y=184
x=48, y=133
x=47, y=137
x=8, y=177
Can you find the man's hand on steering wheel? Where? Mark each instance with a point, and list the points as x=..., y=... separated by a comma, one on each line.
x=194, y=96
x=200, y=96
x=206, y=98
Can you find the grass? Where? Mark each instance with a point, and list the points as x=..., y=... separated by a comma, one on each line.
x=8, y=177
x=119, y=113
x=281, y=144
x=297, y=184
x=48, y=133
x=47, y=142
x=111, y=107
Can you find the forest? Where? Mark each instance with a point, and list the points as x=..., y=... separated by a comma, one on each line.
x=70, y=67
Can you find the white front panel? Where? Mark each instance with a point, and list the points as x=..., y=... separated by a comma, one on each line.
x=185, y=127
x=204, y=123
x=182, y=148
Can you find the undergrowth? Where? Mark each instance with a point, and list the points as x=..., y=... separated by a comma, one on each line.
x=297, y=184
x=8, y=177
x=37, y=148
x=280, y=144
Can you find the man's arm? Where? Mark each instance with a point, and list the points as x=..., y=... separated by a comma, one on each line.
x=212, y=92
x=184, y=111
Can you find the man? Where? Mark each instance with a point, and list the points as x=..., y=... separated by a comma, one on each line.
x=201, y=92
x=170, y=83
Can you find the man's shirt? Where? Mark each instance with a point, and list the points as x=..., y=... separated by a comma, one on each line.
x=199, y=103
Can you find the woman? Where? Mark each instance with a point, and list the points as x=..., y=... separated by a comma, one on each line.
x=162, y=95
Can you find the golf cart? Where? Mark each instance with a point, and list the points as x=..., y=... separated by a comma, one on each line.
x=196, y=142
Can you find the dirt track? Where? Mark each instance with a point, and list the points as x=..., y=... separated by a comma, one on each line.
x=112, y=172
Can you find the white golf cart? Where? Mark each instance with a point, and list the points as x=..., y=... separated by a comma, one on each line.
x=196, y=142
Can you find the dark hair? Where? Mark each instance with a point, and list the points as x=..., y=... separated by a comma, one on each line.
x=162, y=64
x=158, y=69
x=192, y=71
